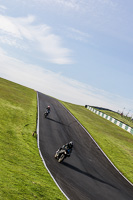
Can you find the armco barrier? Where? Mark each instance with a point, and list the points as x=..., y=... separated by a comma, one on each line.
x=113, y=120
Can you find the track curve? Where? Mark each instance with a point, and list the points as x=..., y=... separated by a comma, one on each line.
x=87, y=174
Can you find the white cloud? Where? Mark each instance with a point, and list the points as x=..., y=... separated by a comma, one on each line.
x=2, y=8
x=7, y=26
x=78, y=35
x=71, y=4
x=20, y=31
x=108, y=2
x=102, y=15
x=78, y=4
x=58, y=86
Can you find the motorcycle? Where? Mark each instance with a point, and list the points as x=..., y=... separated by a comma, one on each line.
x=46, y=114
x=61, y=154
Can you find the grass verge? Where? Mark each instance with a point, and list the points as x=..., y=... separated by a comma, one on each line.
x=125, y=119
x=22, y=173
x=114, y=141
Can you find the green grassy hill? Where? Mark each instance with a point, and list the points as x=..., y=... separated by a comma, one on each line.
x=22, y=173
x=114, y=141
x=125, y=119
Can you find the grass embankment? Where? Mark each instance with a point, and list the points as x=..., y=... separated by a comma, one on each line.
x=22, y=173
x=125, y=119
x=114, y=141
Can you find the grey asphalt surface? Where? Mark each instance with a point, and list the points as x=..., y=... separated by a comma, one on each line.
x=87, y=174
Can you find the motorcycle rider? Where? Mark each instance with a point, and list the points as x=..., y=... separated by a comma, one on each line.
x=48, y=109
x=67, y=147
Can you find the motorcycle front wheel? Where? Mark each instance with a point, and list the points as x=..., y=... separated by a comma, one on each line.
x=62, y=157
x=45, y=115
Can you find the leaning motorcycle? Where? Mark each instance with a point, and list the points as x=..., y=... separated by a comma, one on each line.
x=60, y=155
x=46, y=114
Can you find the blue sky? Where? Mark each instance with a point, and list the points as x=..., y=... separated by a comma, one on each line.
x=80, y=51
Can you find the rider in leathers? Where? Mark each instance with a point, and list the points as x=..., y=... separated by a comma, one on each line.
x=48, y=109
x=67, y=147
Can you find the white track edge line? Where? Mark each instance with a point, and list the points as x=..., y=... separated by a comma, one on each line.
x=41, y=153
x=98, y=145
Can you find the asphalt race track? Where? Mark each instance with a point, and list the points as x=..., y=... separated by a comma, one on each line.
x=87, y=174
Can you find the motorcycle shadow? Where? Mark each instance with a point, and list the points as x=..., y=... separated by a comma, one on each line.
x=56, y=121
x=86, y=174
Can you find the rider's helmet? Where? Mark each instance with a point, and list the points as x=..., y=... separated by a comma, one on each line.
x=48, y=107
x=71, y=144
